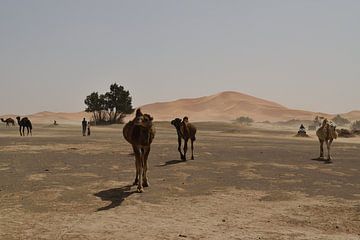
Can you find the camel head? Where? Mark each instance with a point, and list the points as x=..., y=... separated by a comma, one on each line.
x=18, y=118
x=176, y=122
x=332, y=129
x=144, y=120
x=185, y=119
x=325, y=121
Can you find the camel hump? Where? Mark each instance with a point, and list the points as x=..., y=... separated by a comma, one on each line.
x=127, y=131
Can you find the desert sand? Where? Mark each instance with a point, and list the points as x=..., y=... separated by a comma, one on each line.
x=229, y=105
x=245, y=183
x=223, y=107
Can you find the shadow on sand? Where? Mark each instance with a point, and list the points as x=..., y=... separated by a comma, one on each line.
x=171, y=162
x=115, y=195
x=325, y=161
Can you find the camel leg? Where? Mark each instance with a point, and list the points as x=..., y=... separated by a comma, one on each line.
x=27, y=129
x=137, y=162
x=328, y=144
x=321, y=149
x=179, y=148
x=141, y=171
x=185, y=148
x=192, y=149
x=20, y=131
x=146, y=155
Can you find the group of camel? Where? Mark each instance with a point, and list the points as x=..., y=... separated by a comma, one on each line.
x=140, y=134
x=22, y=122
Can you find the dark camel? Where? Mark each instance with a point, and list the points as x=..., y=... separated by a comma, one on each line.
x=140, y=133
x=24, y=123
x=186, y=131
x=8, y=121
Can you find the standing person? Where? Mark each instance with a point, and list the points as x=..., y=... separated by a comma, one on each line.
x=88, y=129
x=84, y=125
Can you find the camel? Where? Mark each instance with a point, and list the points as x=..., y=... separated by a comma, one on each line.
x=140, y=133
x=326, y=133
x=8, y=121
x=186, y=131
x=24, y=123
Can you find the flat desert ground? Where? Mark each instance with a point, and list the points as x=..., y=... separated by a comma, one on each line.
x=245, y=183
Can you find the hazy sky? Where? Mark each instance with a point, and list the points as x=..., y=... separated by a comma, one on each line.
x=302, y=54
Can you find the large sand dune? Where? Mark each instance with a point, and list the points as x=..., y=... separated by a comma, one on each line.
x=224, y=106
x=227, y=106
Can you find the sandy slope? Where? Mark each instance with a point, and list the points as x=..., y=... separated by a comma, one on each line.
x=224, y=106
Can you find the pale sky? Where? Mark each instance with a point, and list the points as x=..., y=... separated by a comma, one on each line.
x=303, y=54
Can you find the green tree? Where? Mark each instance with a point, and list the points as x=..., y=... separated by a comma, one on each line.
x=118, y=103
x=92, y=102
x=110, y=107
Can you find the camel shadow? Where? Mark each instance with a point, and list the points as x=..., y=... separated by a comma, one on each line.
x=115, y=195
x=325, y=161
x=171, y=162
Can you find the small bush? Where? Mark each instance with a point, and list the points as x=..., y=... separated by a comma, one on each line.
x=355, y=126
x=339, y=120
x=244, y=120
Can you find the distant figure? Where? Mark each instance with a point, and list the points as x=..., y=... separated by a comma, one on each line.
x=55, y=123
x=88, y=129
x=302, y=129
x=84, y=125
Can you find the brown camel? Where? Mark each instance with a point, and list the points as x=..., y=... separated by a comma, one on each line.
x=186, y=131
x=140, y=133
x=24, y=123
x=8, y=121
x=326, y=133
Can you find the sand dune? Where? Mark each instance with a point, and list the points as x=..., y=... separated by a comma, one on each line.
x=224, y=106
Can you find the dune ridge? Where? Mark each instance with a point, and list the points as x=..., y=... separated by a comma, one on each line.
x=224, y=106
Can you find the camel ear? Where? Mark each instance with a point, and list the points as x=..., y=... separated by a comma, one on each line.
x=138, y=112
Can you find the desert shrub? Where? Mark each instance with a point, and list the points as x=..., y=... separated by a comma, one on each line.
x=345, y=133
x=244, y=120
x=339, y=120
x=355, y=126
